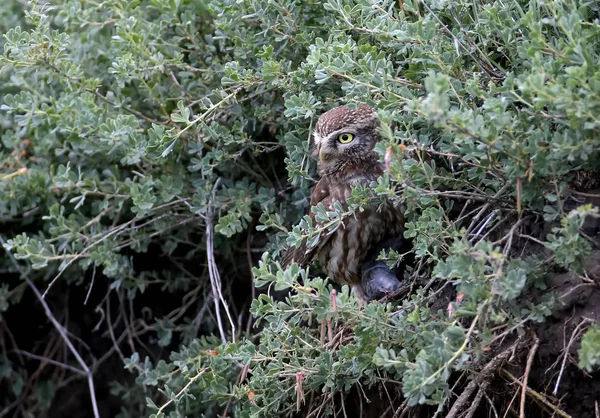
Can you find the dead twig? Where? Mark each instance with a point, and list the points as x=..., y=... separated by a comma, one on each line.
x=63, y=333
x=530, y=357
x=492, y=407
x=213, y=272
x=85, y=250
x=536, y=395
x=565, y=354
x=91, y=286
x=477, y=400
x=480, y=381
x=49, y=360
x=182, y=391
x=483, y=209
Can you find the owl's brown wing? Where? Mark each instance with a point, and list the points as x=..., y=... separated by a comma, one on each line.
x=303, y=255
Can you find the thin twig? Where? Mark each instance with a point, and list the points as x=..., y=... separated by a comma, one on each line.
x=476, y=401
x=213, y=272
x=85, y=250
x=344, y=404
x=49, y=360
x=484, y=208
x=493, y=408
x=536, y=395
x=182, y=391
x=485, y=64
x=250, y=264
x=91, y=286
x=566, y=352
x=509, y=407
x=486, y=373
x=61, y=331
x=111, y=331
x=530, y=357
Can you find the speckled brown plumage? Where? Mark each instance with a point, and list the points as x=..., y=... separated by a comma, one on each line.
x=341, y=166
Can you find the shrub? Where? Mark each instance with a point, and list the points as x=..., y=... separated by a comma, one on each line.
x=153, y=148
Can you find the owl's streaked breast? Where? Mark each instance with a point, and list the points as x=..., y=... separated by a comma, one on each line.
x=343, y=255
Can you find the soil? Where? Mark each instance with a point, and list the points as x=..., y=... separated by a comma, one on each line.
x=578, y=392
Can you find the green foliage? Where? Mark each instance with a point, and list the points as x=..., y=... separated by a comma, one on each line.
x=135, y=128
x=589, y=353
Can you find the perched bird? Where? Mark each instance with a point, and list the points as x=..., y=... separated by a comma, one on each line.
x=344, y=139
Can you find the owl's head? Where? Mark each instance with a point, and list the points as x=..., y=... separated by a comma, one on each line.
x=345, y=136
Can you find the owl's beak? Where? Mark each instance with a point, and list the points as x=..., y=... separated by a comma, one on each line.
x=323, y=155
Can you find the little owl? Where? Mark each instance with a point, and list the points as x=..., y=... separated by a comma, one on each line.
x=344, y=141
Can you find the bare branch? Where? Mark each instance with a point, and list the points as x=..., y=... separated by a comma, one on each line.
x=213, y=272
x=63, y=333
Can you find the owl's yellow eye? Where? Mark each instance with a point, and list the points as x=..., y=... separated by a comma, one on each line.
x=345, y=138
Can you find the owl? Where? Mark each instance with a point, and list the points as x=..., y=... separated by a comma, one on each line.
x=344, y=139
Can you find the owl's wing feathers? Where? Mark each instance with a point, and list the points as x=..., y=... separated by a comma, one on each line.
x=304, y=255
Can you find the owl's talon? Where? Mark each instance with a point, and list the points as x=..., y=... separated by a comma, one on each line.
x=378, y=281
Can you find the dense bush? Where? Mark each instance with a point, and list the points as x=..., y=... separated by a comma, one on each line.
x=153, y=150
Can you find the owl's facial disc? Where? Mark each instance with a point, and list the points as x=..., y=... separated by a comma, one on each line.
x=322, y=156
x=344, y=136
x=337, y=144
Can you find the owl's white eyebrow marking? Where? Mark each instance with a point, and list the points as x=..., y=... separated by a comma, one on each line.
x=318, y=138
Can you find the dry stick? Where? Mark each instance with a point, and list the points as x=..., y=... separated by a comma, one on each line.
x=111, y=233
x=60, y=330
x=537, y=395
x=530, y=356
x=342, y=400
x=566, y=352
x=49, y=360
x=508, y=408
x=182, y=391
x=476, y=401
x=252, y=288
x=213, y=277
x=401, y=409
x=91, y=286
x=484, y=208
x=491, y=405
x=483, y=376
x=78, y=256
x=213, y=272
